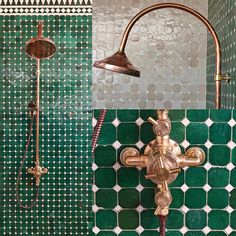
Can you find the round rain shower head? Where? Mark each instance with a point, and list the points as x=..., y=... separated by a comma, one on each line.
x=40, y=47
x=118, y=63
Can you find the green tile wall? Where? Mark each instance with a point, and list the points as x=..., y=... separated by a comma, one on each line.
x=221, y=14
x=203, y=197
x=65, y=197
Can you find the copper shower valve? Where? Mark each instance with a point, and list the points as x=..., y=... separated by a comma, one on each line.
x=163, y=160
x=37, y=172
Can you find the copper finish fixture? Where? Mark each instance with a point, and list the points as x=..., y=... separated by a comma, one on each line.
x=119, y=62
x=163, y=160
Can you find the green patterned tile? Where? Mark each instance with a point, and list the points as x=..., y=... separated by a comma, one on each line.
x=233, y=220
x=125, y=201
x=146, y=133
x=232, y=200
x=149, y=220
x=194, y=233
x=128, y=219
x=220, y=115
x=218, y=177
x=108, y=134
x=178, y=196
x=220, y=128
x=106, y=219
x=176, y=115
x=128, y=133
x=175, y=220
x=197, y=115
x=177, y=132
x=128, y=233
x=197, y=133
x=127, y=115
x=110, y=115
x=196, y=219
x=218, y=219
x=102, y=180
x=106, y=198
x=219, y=155
x=190, y=196
x=146, y=194
x=105, y=156
x=128, y=177
x=218, y=198
x=196, y=177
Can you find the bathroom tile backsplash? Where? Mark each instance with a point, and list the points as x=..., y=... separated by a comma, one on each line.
x=65, y=195
x=204, y=198
x=221, y=14
x=168, y=46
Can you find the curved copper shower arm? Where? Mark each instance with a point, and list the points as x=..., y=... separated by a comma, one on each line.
x=218, y=76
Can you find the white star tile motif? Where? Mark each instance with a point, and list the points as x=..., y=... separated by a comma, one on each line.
x=232, y=122
x=229, y=209
x=208, y=122
x=139, y=208
x=96, y=230
x=117, y=188
x=95, y=188
x=139, y=229
x=116, y=145
x=229, y=188
x=184, y=187
x=208, y=144
x=94, y=166
x=206, y=230
x=116, y=166
x=228, y=230
x=118, y=208
x=95, y=208
x=185, y=144
x=117, y=230
x=184, y=230
x=230, y=166
x=140, y=187
x=139, y=144
x=231, y=145
x=184, y=209
x=207, y=209
x=185, y=122
x=207, y=166
x=207, y=187
x=139, y=121
x=116, y=122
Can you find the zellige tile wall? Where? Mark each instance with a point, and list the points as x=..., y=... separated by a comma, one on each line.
x=204, y=198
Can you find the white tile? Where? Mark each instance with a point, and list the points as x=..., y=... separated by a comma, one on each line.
x=206, y=230
x=185, y=122
x=96, y=230
x=207, y=209
x=139, y=208
x=116, y=166
x=231, y=145
x=139, y=188
x=208, y=122
x=184, y=209
x=139, y=121
x=95, y=188
x=115, y=122
x=95, y=208
x=207, y=187
x=117, y=230
x=117, y=188
x=139, y=229
x=207, y=166
x=116, y=145
x=229, y=188
x=185, y=144
x=229, y=209
x=230, y=166
x=184, y=230
x=228, y=230
x=118, y=208
x=208, y=144
x=139, y=144
x=94, y=166
x=232, y=122
x=94, y=122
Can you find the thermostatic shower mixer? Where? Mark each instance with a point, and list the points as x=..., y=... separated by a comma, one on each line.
x=163, y=160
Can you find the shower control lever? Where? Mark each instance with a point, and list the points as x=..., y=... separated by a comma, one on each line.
x=163, y=160
x=37, y=172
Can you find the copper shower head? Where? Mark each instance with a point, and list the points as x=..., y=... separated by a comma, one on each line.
x=119, y=63
x=40, y=47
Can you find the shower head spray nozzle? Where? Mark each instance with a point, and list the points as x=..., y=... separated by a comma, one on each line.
x=119, y=63
x=40, y=47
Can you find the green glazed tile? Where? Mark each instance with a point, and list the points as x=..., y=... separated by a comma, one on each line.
x=128, y=133
x=128, y=177
x=127, y=115
x=146, y=195
x=173, y=233
x=149, y=220
x=220, y=133
x=106, y=233
x=175, y=220
x=196, y=219
x=128, y=198
x=102, y=180
x=218, y=198
x=178, y=198
x=105, y=156
x=197, y=133
x=233, y=234
x=145, y=114
x=218, y=219
x=107, y=135
x=232, y=199
x=177, y=132
x=218, y=177
x=194, y=233
x=176, y=115
x=197, y=115
x=128, y=233
x=146, y=133
x=220, y=115
x=233, y=177
x=196, y=177
x=149, y=233
x=110, y=115
x=106, y=219
x=219, y=155
x=234, y=156
x=233, y=220
x=234, y=133
x=190, y=198
x=217, y=233
x=128, y=219
x=106, y=198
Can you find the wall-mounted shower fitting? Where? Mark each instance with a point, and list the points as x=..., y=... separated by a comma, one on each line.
x=163, y=160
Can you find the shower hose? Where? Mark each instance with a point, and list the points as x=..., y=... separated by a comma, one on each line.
x=162, y=220
x=22, y=164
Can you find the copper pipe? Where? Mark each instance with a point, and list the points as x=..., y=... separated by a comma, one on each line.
x=197, y=15
x=37, y=109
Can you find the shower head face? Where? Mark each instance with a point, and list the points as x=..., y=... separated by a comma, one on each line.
x=119, y=63
x=40, y=48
